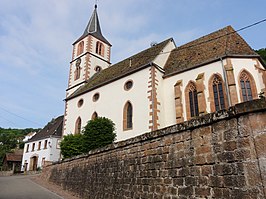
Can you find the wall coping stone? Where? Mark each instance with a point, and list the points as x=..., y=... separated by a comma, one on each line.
x=204, y=120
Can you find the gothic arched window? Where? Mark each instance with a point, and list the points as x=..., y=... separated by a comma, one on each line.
x=128, y=116
x=99, y=48
x=192, y=103
x=94, y=115
x=78, y=126
x=218, y=93
x=247, y=86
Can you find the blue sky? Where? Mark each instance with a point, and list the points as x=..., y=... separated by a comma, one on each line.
x=36, y=39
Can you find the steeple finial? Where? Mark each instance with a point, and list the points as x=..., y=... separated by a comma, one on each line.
x=96, y=2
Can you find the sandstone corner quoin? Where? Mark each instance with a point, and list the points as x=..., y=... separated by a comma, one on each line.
x=218, y=155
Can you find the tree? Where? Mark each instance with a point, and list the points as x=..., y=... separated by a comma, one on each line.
x=8, y=141
x=72, y=145
x=99, y=132
x=262, y=53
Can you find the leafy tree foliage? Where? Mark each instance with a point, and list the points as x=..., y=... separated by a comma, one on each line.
x=11, y=139
x=262, y=53
x=99, y=132
x=72, y=145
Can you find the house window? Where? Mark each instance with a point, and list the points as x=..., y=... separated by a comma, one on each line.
x=58, y=143
x=45, y=144
x=99, y=48
x=80, y=48
x=39, y=145
x=78, y=126
x=218, y=93
x=28, y=146
x=128, y=85
x=78, y=69
x=43, y=161
x=193, y=100
x=128, y=116
x=33, y=147
x=94, y=116
x=247, y=86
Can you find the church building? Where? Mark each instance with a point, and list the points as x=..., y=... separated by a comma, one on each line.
x=160, y=86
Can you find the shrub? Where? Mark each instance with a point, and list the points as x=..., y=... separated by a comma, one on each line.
x=99, y=132
x=72, y=145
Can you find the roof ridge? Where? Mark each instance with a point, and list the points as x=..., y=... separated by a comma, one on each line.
x=206, y=36
x=169, y=39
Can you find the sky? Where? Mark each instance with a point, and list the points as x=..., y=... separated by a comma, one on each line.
x=36, y=39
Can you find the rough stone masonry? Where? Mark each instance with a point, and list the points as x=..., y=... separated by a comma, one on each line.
x=218, y=155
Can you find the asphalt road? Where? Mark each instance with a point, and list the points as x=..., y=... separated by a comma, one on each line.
x=21, y=187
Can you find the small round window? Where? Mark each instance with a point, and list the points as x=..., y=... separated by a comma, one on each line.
x=80, y=102
x=128, y=85
x=95, y=97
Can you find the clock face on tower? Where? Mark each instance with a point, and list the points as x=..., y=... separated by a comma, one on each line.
x=78, y=62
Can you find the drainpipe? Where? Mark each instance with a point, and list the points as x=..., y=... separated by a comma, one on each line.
x=226, y=84
x=152, y=98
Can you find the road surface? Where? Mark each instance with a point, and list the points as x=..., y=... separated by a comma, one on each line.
x=21, y=187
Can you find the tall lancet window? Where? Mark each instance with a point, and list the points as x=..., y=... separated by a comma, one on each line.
x=80, y=48
x=128, y=116
x=218, y=93
x=78, y=126
x=99, y=48
x=78, y=69
x=247, y=85
x=193, y=99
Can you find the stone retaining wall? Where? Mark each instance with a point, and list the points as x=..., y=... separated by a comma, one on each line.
x=219, y=155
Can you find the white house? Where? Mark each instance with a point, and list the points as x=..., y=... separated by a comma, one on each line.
x=43, y=146
x=160, y=86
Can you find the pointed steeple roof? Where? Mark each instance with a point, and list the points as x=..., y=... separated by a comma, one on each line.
x=93, y=28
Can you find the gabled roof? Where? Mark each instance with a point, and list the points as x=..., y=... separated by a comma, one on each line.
x=221, y=43
x=93, y=28
x=125, y=67
x=53, y=128
x=14, y=157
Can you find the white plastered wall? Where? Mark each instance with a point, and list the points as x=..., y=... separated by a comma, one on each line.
x=161, y=59
x=168, y=116
x=111, y=103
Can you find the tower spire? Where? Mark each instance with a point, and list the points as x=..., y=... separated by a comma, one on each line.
x=93, y=28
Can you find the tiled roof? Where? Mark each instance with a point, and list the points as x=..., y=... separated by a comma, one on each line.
x=224, y=42
x=53, y=128
x=14, y=157
x=122, y=68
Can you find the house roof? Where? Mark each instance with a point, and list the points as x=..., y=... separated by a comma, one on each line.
x=93, y=28
x=221, y=43
x=14, y=157
x=53, y=128
x=125, y=67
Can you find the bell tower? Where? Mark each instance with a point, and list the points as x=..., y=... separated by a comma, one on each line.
x=91, y=54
